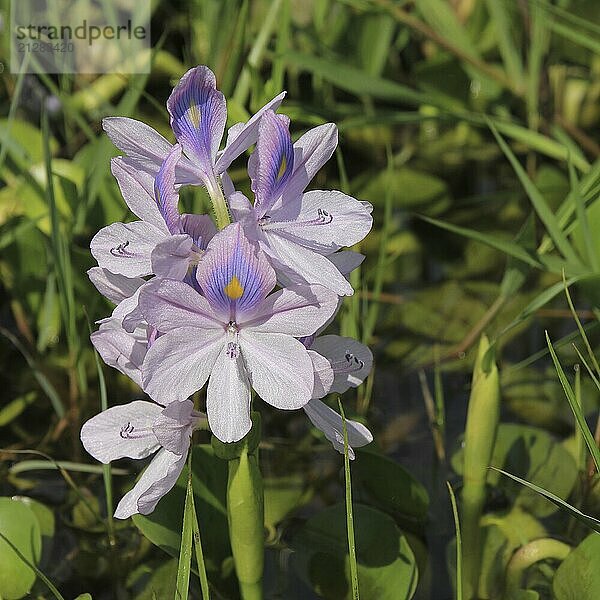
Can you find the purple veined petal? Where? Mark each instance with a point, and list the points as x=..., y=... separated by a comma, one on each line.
x=173, y=427
x=301, y=265
x=128, y=314
x=201, y=228
x=235, y=276
x=280, y=368
x=311, y=152
x=346, y=261
x=146, y=149
x=112, y=286
x=323, y=374
x=227, y=183
x=171, y=257
x=168, y=305
x=323, y=221
x=242, y=135
x=138, y=140
x=179, y=362
x=121, y=350
x=165, y=194
x=125, y=248
x=243, y=213
x=158, y=478
x=228, y=396
x=198, y=115
x=121, y=431
x=350, y=360
x=330, y=423
x=137, y=189
x=272, y=162
x=298, y=311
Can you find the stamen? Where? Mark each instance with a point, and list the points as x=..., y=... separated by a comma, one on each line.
x=121, y=251
x=350, y=365
x=323, y=218
x=128, y=432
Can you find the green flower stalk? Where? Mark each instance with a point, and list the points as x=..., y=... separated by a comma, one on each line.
x=219, y=204
x=480, y=436
x=245, y=509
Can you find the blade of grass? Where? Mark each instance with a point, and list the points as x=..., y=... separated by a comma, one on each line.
x=577, y=412
x=199, y=554
x=380, y=269
x=582, y=219
x=580, y=327
x=538, y=202
x=589, y=188
x=544, y=351
x=242, y=89
x=507, y=247
x=42, y=380
x=37, y=571
x=106, y=469
x=185, y=552
x=459, y=592
x=538, y=302
x=511, y=55
x=349, y=513
x=580, y=516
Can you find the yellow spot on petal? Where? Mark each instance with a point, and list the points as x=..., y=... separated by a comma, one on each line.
x=194, y=113
x=234, y=289
x=282, y=167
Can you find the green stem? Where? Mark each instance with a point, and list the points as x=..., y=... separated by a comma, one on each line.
x=528, y=555
x=245, y=509
x=480, y=435
x=222, y=216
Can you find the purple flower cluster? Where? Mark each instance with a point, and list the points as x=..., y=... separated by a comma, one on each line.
x=238, y=307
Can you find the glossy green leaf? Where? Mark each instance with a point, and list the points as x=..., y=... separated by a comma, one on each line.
x=386, y=564
x=20, y=526
x=578, y=577
x=387, y=485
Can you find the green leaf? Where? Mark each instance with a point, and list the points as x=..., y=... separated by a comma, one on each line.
x=408, y=189
x=42, y=513
x=383, y=483
x=20, y=526
x=282, y=495
x=14, y=408
x=578, y=577
x=386, y=564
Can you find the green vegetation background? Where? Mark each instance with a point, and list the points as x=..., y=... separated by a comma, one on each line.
x=473, y=127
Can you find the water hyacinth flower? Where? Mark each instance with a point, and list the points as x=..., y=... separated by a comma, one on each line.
x=163, y=242
x=339, y=363
x=198, y=113
x=299, y=230
x=137, y=430
x=234, y=334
